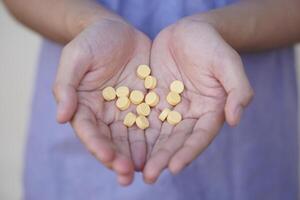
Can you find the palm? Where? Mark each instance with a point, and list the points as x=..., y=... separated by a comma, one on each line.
x=111, y=51
x=190, y=54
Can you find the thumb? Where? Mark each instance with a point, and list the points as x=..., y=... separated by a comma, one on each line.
x=71, y=69
x=232, y=76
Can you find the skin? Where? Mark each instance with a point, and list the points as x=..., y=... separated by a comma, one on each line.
x=101, y=50
x=95, y=63
x=201, y=50
x=216, y=87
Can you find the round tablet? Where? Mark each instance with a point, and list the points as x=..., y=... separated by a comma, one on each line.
x=142, y=122
x=152, y=99
x=143, y=71
x=129, y=119
x=136, y=97
x=109, y=93
x=174, y=117
x=164, y=114
x=177, y=86
x=122, y=91
x=173, y=98
x=150, y=82
x=143, y=109
x=123, y=103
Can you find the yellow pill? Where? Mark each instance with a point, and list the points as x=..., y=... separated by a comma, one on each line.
x=109, y=93
x=129, y=119
x=122, y=91
x=173, y=98
x=142, y=122
x=152, y=99
x=143, y=71
x=143, y=109
x=174, y=117
x=123, y=103
x=177, y=86
x=136, y=97
x=150, y=82
x=164, y=114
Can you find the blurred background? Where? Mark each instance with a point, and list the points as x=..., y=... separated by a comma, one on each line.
x=19, y=50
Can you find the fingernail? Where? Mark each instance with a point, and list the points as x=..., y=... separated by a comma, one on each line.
x=149, y=180
x=149, y=177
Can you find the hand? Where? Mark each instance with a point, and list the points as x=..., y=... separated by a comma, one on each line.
x=105, y=54
x=216, y=88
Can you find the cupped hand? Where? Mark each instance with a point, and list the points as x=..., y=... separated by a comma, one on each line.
x=216, y=88
x=105, y=54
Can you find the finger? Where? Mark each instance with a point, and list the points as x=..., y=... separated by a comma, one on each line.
x=168, y=129
x=152, y=133
x=160, y=154
x=157, y=126
x=72, y=67
x=129, y=142
x=155, y=140
x=205, y=129
x=165, y=150
x=125, y=180
x=93, y=134
x=135, y=138
x=165, y=132
x=234, y=80
x=67, y=101
x=138, y=147
x=122, y=163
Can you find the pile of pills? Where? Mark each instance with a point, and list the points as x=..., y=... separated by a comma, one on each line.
x=143, y=102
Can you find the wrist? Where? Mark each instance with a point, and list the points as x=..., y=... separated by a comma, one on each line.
x=228, y=26
x=203, y=21
x=207, y=18
x=197, y=21
x=90, y=13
